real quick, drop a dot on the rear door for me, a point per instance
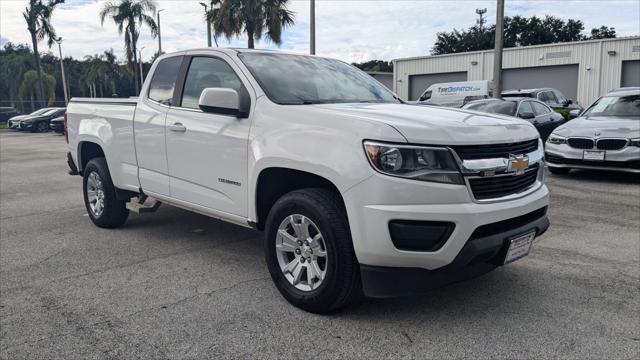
(207, 153)
(544, 119)
(149, 127)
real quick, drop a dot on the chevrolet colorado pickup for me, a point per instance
(357, 192)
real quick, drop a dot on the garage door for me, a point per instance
(630, 73)
(561, 77)
(419, 83)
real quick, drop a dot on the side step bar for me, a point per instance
(140, 205)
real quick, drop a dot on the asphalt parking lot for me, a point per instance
(180, 285)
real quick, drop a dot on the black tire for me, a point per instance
(559, 171)
(115, 212)
(341, 284)
(41, 127)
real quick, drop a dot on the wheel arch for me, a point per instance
(88, 150)
(274, 182)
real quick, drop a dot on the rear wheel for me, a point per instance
(104, 209)
(309, 251)
(559, 171)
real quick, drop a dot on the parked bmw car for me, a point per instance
(57, 124)
(534, 111)
(13, 122)
(606, 136)
(40, 123)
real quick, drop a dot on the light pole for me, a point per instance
(208, 24)
(141, 73)
(312, 30)
(159, 34)
(64, 80)
(497, 51)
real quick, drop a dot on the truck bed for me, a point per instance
(107, 122)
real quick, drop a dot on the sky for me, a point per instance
(350, 30)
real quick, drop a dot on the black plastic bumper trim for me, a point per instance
(476, 258)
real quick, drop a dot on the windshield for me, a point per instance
(301, 80)
(41, 111)
(50, 112)
(494, 107)
(622, 106)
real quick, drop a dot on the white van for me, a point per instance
(456, 94)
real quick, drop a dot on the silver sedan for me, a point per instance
(606, 136)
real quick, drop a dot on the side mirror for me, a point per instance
(526, 115)
(574, 113)
(568, 102)
(223, 101)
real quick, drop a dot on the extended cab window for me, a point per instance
(164, 80)
(207, 72)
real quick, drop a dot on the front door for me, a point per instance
(207, 153)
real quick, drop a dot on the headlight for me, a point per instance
(414, 162)
(634, 142)
(556, 139)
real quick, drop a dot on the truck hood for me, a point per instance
(601, 126)
(437, 125)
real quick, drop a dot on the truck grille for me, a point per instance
(473, 152)
(580, 143)
(503, 185)
(611, 144)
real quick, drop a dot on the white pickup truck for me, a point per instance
(357, 192)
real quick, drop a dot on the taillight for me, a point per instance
(66, 133)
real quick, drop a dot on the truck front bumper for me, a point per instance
(474, 246)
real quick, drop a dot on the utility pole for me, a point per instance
(140, 62)
(159, 34)
(481, 21)
(312, 30)
(208, 23)
(497, 51)
(64, 79)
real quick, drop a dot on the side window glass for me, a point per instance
(539, 109)
(426, 95)
(560, 98)
(525, 107)
(207, 72)
(164, 80)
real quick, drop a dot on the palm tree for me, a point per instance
(253, 17)
(30, 84)
(129, 16)
(38, 18)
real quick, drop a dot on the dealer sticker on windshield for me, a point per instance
(593, 155)
(519, 247)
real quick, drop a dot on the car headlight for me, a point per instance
(414, 162)
(634, 142)
(556, 139)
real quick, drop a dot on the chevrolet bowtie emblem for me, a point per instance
(518, 164)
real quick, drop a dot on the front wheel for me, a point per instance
(309, 251)
(104, 209)
(42, 127)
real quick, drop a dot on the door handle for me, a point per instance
(177, 127)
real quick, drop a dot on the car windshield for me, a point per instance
(50, 112)
(494, 107)
(622, 106)
(41, 111)
(301, 80)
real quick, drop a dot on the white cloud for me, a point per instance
(349, 30)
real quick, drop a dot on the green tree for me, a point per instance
(518, 31)
(375, 66)
(38, 18)
(129, 16)
(603, 32)
(256, 18)
(30, 84)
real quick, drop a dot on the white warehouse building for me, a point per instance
(582, 70)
